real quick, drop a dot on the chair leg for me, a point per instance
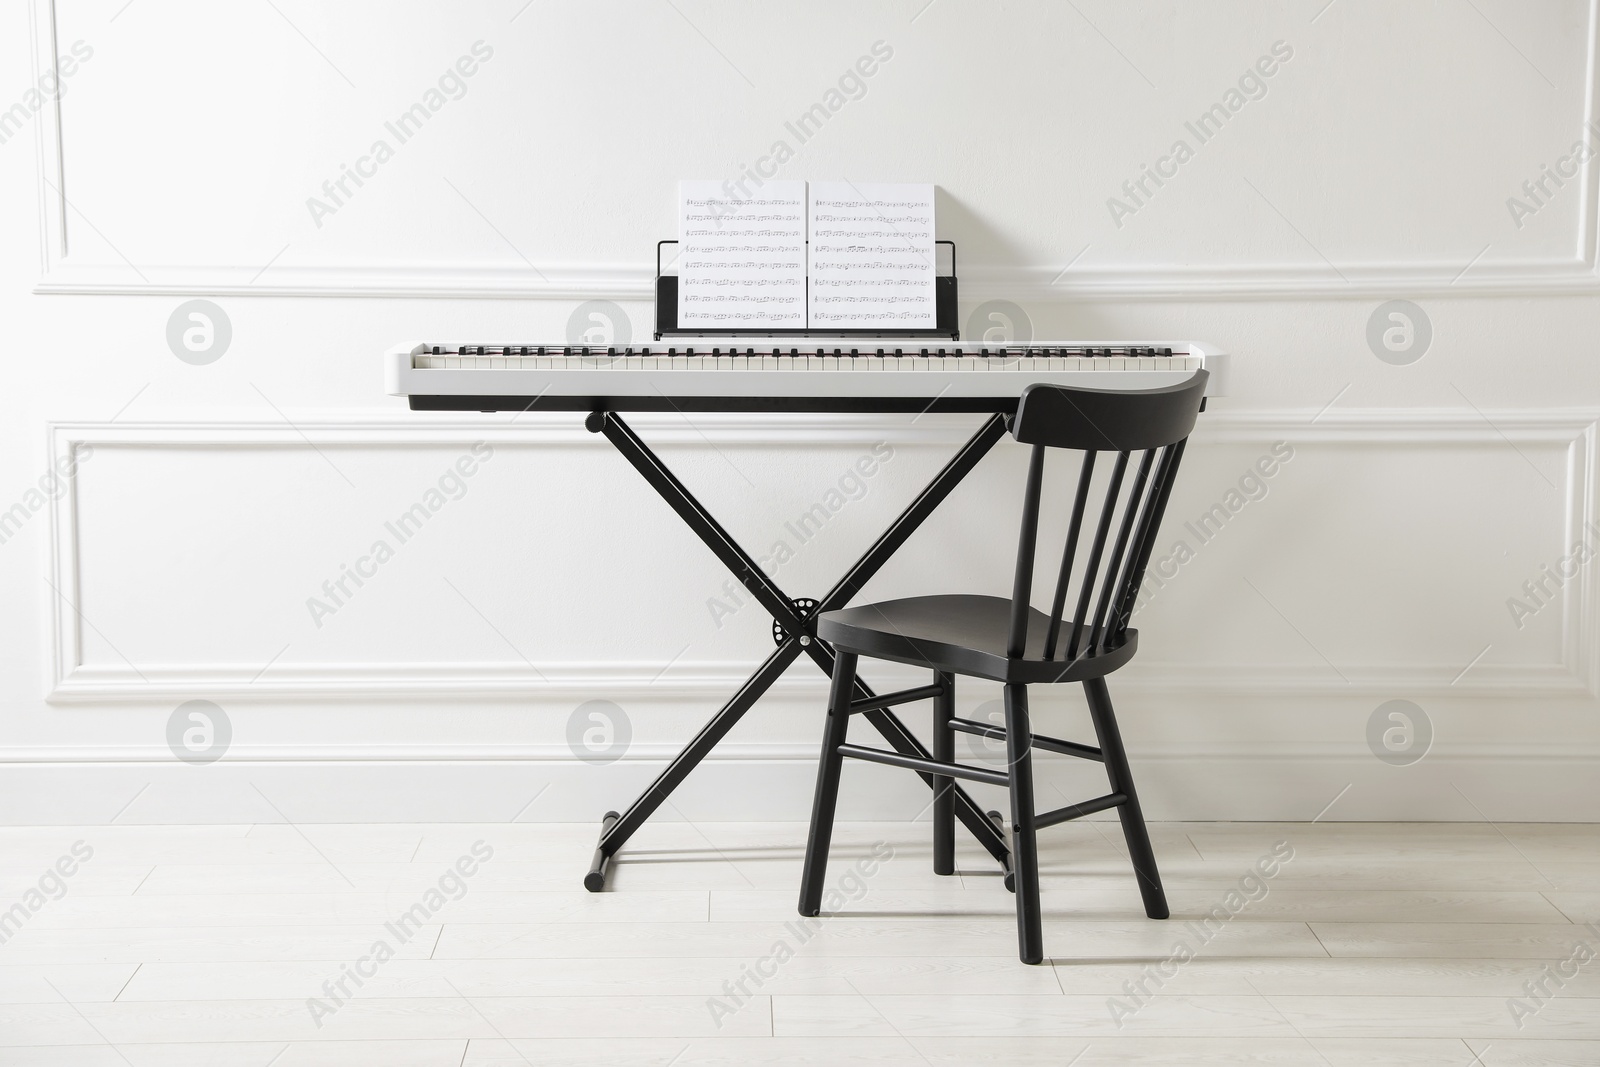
(1133, 828)
(944, 801)
(1024, 845)
(827, 795)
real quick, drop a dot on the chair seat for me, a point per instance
(964, 634)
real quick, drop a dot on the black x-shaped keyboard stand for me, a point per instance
(795, 624)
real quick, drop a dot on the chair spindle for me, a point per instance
(1095, 552)
(1085, 474)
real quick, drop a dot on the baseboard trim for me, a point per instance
(1440, 788)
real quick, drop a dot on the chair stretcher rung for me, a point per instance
(916, 763)
(889, 700)
(1078, 811)
(1049, 744)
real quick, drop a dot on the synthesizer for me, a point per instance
(817, 374)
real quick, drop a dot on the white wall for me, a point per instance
(215, 499)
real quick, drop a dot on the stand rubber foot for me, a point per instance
(1000, 824)
(595, 880)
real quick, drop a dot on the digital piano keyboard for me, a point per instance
(818, 374)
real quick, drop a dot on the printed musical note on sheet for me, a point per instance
(742, 259)
(872, 256)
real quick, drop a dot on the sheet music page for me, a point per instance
(872, 256)
(742, 260)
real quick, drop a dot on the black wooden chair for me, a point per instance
(1011, 642)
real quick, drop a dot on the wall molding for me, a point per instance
(1040, 285)
(72, 681)
(1313, 278)
(659, 682)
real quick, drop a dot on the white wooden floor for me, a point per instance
(1375, 944)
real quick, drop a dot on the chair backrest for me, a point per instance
(1152, 422)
